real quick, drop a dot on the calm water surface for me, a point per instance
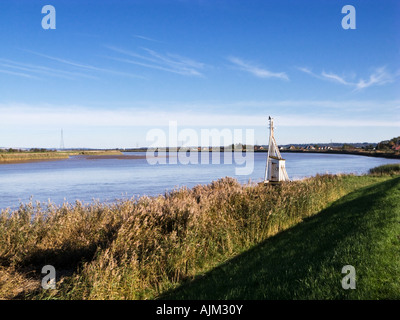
(111, 179)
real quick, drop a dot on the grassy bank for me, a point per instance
(143, 248)
(16, 157)
(361, 229)
(31, 156)
(386, 169)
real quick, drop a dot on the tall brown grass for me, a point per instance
(140, 248)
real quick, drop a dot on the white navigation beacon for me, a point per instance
(275, 170)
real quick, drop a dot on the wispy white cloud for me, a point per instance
(18, 74)
(256, 70)
(165, 62)
(158, 115)
(84, 67)
(320, 105)
(380, 76)
(35, 71)
(176, 60)
(335, 77)
(146, 38)
(39, 125)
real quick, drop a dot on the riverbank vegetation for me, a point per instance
(305, 262)
(384, 149)
(146, 247)
(31, 156)
(15, 156)
(389, 154)
(386, 169)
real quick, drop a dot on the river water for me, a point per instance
(79, 178)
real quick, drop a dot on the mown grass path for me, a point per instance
(361, 229)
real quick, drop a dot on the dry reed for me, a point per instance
(140, 248)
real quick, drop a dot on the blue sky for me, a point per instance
(113, 70)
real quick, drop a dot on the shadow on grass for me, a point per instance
(303, 262)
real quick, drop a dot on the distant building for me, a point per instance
(325, 148)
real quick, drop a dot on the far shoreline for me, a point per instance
(14, 158)
(356, 153)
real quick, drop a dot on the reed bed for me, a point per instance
(139, 249)
(386, 169)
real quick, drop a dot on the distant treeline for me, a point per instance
(392, 144)
(385, 145)
(358, 152)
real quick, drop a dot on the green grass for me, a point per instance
(361, 229)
